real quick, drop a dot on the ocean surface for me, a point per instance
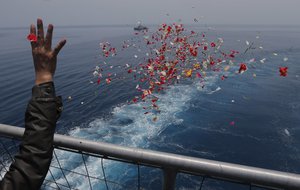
(251, 119)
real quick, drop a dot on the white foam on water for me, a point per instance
(128, 126)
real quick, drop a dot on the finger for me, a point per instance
(33, 31)
(48, 41)
(59, 46)
(40, 31)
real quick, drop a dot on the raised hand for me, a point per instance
(44, 57)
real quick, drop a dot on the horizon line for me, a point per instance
(132, 25)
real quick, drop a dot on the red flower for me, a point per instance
(205, 48)
(213, 44)
(243, 68)
(154, 100)
(32, 38)
(198, 75)
(232, 55)
(154, 105)
(193, 51)
(223, 77)
(283, 71)
(161, 57)
(135, 100)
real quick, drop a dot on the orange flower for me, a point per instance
(188, 73)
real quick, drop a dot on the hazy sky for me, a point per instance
(19, 13)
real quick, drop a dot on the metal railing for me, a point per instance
(171, 164)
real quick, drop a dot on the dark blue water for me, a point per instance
(194, 121)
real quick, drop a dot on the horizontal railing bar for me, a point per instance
(143, 164)
(216, 169)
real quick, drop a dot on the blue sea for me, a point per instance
(251, 119)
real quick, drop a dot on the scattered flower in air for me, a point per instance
(283, 71)
(188, 73)
(135, 100)
(223, 77)
(32, 37)
(226, 68)
(108, 81)
(252, 60)
(198, 75)
(173, 54)
(263, 60)
(243, 68)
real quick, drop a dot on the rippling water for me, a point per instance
(194, 121)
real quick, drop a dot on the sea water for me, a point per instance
(251, 119)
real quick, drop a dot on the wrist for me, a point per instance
(43, 79)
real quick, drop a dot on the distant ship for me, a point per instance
(140, 28)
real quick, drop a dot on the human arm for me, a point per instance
(30, 165)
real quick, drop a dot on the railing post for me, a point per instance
(169, 179)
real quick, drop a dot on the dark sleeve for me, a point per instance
(30, 165)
